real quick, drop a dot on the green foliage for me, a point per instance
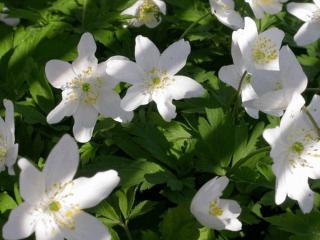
(161, 165)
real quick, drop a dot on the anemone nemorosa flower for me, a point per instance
(259, 7)
(53, 201)
(214, 212)
(146, 12)
(86, 91)
(153, 77)
(295, 152)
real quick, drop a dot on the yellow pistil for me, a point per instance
(297, 147)
(264, 51)
(54, 206)
(85, 87)
(214, 210)
(148, 10)
(156, 81)
(3, 152)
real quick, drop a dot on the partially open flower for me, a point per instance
(8, 149)
(214, 212)
(146, 12)
(225, 13)
(54, 201)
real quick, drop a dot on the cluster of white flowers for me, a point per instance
(266, 74)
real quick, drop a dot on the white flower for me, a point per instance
(146, 12)
(260, 51)
(310, 14)
(8, 20)
(225, 13)
(53, 200)
(153, 77)
(212, 211)
(8, 149)
(232, 75)
(295, 152)
(86, 91)
(276, 88)
(259, 7)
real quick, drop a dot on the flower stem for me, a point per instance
(313, 89)
(237, 95)
(193, 25)
(84, 10)
(127, 230)
(312, 120)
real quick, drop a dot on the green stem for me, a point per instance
(127, 230)
(312, 120)
(193, 25)
(237, 95)
(313, 89)
(245, 159)
(84, 10)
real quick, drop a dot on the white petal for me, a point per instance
(146, 53)
(184, 87)
(291, 71)
(62, 162)
(234, 225)
(257, 10)
(212, 189)
(11, 158)
(11, 21)
(230, 75)
(87, 227)
(86, 53)
(66, 107)
(293, 109)
(314, 108)
(164, 105)
(153, 22)
(271, 135)
(135, 97)
(108, 105)
(125, 71)
(276, 36)
(47, 231)
(59, 73)
(173, 59)
(272, 8)
(230, 18)
(32, 182)
(21, 223)
(317, 2)
(246, 38)
(133, 10)
(85, 119)
(88, 192)
(308, 33)
(9, 120)
(236, 53)
(302, 11)
(162, 6)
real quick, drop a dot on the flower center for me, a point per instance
(266, 2)
(3, 150)
(316, 16)
(214, 209)
(85, 87)
(264, 51)
(156, 81)
(297, 147)
(148, 10)
(54, 206)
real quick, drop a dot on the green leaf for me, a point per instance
(108, 213)
(142, 208)
(302, 225)
(178, 223)
(6, 202)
